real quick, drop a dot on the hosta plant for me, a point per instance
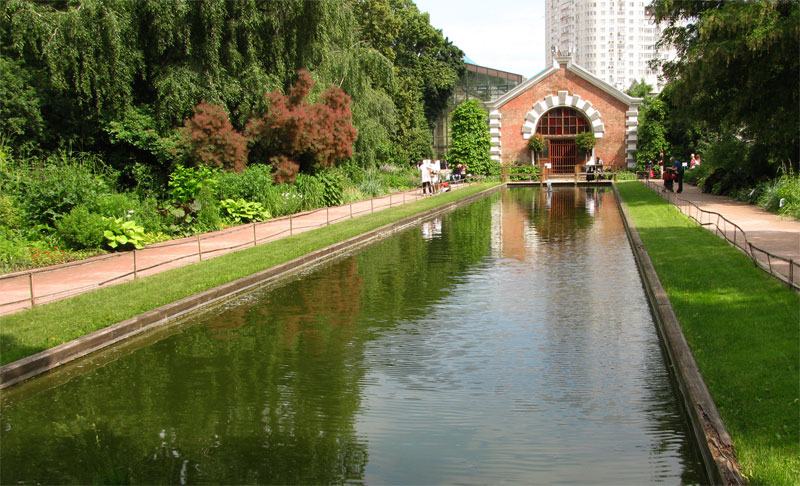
(241, 211)
(123, 234)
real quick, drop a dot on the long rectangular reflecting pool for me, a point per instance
(508, 341)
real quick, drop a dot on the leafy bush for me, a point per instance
(81, 228)
(10, 214)
(59, 186)
(127, 205)
(297, 131)
(536, 143)
(210, 139)
(123, 234)
(312, 189)
(208, 218)
(186, 182)
(470, 139)
(372, 184)
(781, 195)
(13, 250)
(626, 175)
(241, 211)
(332, 185)
(252, 184)
(523, 172)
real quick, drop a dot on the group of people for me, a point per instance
(594, 168)
(673, 170)
(433, 176)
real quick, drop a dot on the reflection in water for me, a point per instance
(487, 346)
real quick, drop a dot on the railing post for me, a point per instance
(372, 205)
(390, 199)
(351, 210)
(135, 275)
(255, 240)
(199, 250)
(30, 287)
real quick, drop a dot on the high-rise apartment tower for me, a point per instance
(613, 39)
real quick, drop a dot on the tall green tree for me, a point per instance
(470, 139)
(738, 71)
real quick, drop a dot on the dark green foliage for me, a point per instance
(252, 184)
(208, 218)
(738, 72)
(536, 143)
(54, 190)
(81, 229)
(470, 139)
(652, 131)
(585, 142)
(127, 205)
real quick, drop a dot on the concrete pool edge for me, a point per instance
(49, 359)
(707, 426)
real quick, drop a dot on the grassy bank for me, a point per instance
(34, 330)
(743, 328)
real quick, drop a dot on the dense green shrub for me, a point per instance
(252, 184)
(312, 189)
(81, 228)
(127, 205)
(185, 183)
(55, 189)
(470, 139)
(10, 214)
(208, 218)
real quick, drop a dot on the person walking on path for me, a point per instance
(678, 173)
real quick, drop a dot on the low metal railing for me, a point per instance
(782, 268)
(24, 295)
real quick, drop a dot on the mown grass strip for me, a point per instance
(28, 332)
(743, 328)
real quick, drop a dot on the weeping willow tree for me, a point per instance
(118, 77)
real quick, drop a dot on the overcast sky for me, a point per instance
(503, 34)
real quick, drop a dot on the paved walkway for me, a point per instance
(772, 233)
(22, 289)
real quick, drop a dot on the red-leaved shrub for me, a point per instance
(307, 133)
(285, 170)
(210, 139)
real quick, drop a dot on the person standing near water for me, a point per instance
(425, 173)
(678, 172)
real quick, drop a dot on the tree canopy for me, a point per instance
(737, 72)
(108, 77)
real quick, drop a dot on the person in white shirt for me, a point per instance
(425, 173)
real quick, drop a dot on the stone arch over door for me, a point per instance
(563, 100)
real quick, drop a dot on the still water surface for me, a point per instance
(506, 342)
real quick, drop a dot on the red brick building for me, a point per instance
(559, 103)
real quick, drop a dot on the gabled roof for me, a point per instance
(573, 68)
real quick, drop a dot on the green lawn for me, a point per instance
(30, 331)
(743, 328)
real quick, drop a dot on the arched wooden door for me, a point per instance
(563, 156)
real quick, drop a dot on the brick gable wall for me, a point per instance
(611, 148)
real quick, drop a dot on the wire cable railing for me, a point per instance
(26, 289)
(780, 267)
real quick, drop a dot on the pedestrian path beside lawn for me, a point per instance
(778, 235)
(21, 290)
